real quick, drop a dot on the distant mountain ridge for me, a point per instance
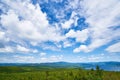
(109, 66)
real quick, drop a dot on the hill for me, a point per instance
(108, 66)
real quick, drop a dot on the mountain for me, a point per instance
(108, 66)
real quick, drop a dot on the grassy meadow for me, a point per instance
(47, 73)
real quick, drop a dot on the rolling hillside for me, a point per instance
(108, 66)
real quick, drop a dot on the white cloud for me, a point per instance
(43, 59)
(80, 36)
(24, 21)
(1, 35)
(56, 58)
(6, 49)
(57, 1)
(34, 51)
(81, 48)
(18, 59)
(67, 24)
(33, 43)
(42, 54)
(102, 17)
(22, 49)
(67, 44)
(52, 58)
(18, 49)
(114, 48)
(94, 58)
(74, 4)
(71, 33)
(21, 59)
(54, 47)
(31, 59)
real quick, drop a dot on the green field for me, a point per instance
(46, 73)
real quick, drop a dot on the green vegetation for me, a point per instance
(45, 73)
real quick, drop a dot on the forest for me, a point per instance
(46, 73)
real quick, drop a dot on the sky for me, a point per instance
(38, 31)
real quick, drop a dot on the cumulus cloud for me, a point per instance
(67, 24)
(18, 49)
(114, 48)
(22, 49)
(54, 47)
(42, 54)
(80, 36)
(26, 24)
(31, 26)
(102, 16)
(24, 21)
(6, 49)
(81, 48)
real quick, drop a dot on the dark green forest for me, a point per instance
(46, 73)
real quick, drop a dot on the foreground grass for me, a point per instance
(33, 73)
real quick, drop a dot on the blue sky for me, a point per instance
(36, 31)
